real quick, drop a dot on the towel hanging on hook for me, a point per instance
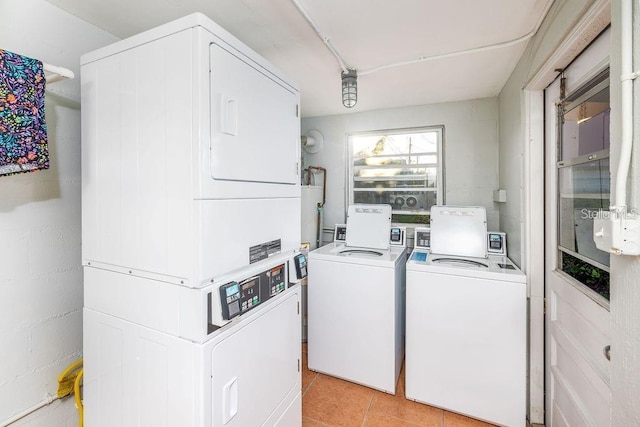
(23, 130)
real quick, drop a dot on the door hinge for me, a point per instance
(544, 306)
(297, 168)
(298, 365)
(298, 307)
(297, 110)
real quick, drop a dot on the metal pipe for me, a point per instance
(320, 206)
(46, 401)
(324, 180)
(627, 77)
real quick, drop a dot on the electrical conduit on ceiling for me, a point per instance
(324, 39)
(344, 67)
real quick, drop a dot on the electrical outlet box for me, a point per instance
(617, 233)
(500, 196)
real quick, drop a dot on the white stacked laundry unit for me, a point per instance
(191, 229)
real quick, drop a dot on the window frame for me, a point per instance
(574, 99)
(440, 167)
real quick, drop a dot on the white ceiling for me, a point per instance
(366, 34)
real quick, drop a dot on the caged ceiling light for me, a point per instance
(349, 88)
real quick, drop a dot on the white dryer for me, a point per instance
(166, 355)
(466, 333)
(356, 307)
(168, 180)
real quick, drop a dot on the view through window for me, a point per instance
(584, 182)
(402, 168)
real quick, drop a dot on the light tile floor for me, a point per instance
(328, 401)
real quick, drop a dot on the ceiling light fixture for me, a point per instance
(349, 76)
(349, 88)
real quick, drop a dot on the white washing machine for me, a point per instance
(466, 331)
(356, 306)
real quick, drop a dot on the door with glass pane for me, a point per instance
(576, 272)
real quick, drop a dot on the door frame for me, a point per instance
(592, 23)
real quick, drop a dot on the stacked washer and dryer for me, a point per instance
(191, 232)
(466, 320)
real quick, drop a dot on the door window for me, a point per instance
(584, 182)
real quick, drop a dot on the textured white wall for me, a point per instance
(560, 19)
(471, 150)
(40, 271)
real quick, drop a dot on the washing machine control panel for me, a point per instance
(422, 238)
(340, 233)
(300, 262)
(497, 243)
(397, 235)
(238, 297)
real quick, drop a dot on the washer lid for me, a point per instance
(368, 226)
(459, 231)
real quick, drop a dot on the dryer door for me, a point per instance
(255, 370)
(254, 122)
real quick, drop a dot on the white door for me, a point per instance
(577, 316)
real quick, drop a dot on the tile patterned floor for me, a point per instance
(328, 401)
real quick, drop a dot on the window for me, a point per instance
(584, 182)
(402, 168)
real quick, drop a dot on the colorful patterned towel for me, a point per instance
(23, 131)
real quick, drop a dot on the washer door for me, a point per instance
(459, 230)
